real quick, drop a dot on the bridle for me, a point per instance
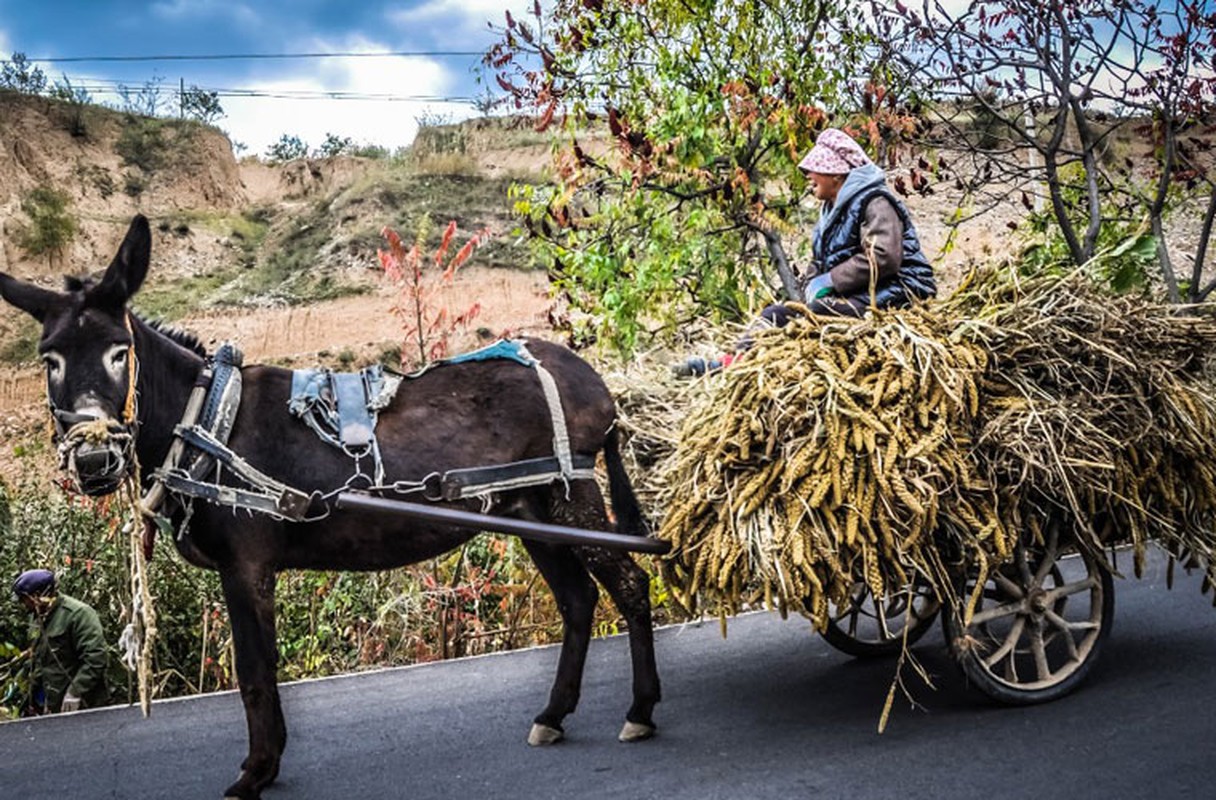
(98, 453)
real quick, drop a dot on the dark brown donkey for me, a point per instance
(454, 416)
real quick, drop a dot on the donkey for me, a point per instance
(105, 365)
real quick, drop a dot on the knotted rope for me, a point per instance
(139, 636)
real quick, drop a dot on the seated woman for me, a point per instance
(864, 235)
(861, 222)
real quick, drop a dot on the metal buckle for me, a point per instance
(432, 487)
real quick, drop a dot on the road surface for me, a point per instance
(770, 712)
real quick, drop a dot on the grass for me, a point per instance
(177, 297)
(21, 346)
(174, 297)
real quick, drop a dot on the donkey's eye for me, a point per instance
(54, 364)
(115, 360)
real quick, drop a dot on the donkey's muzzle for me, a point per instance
(97, 455)
(99, 469)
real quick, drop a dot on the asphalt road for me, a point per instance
(770, 712)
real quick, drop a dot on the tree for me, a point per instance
(422, 307)
(145, 101)
(51, 226)
(335, 145)
(21, 75)
(708, 106)
(287, 148)
(200, 104)
(1033, 93)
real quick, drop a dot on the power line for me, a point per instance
(104, 86)
(260, 56)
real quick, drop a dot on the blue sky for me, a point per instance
(432, 86)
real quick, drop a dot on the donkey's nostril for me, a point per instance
(98, 468)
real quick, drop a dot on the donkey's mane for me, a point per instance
(184, 338)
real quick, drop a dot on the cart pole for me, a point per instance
(524, 529)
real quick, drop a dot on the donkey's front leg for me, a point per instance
(249, 591)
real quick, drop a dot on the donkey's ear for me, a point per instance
(31, 299)
(127, 271)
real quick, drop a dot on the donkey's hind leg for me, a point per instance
(629, 586)
(576, 597)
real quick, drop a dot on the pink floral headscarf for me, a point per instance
(834, 153)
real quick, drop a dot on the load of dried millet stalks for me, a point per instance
(924, 440)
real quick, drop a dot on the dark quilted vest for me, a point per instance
(842, 240)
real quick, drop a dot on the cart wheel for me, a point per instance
(1039, 625)
(870, 627)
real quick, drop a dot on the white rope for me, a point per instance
(139, 636)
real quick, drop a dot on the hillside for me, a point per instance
(280, 258)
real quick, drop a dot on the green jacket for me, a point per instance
(70, 655)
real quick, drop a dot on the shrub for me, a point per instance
(287, 148)
(201, 105)
(142, 144)
(427, 321)
(335, 145)
(20, 75)
(144, 101)
(51, 227)
(483, 597)
(77, 99)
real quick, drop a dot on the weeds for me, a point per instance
(483, 597)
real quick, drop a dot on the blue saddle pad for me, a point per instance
(503, 348)
(341, 406)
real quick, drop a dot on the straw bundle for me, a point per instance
(925, 441)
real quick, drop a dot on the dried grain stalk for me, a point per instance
(924, 441)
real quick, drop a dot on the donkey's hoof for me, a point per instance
(543, 734)
(240, 791)
(636, 732)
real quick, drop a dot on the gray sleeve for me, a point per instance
(882, 235)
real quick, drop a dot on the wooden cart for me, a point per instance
(1035, 633)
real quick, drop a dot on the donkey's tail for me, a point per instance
(629, 519)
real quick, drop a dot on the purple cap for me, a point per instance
(34, 582)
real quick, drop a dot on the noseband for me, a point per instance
(98, 453)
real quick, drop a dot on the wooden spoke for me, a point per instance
(1010, 643)
(1015, 608)
(1039, 624)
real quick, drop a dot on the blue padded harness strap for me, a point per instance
(354, 419)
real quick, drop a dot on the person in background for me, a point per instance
(69, 658)
(865, 249)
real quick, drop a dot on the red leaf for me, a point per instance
(448, 233)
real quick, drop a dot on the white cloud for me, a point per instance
(478, 11)
(258, 122)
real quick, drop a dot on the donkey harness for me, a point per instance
(341, 408)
